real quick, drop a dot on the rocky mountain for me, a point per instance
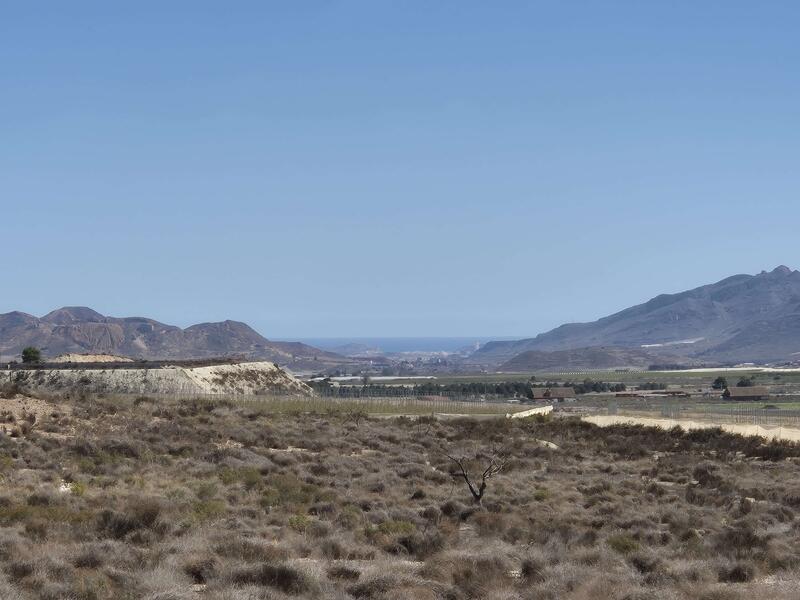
(601, 357)
(83, 330)
(739, 319)
(356, 349)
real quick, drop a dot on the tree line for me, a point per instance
(502, 389)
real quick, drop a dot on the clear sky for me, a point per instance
(385, 168)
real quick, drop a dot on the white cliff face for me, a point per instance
(242, 378)
(89, 358)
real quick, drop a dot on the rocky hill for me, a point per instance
(82, 330)
(741, 318)
(589, 358)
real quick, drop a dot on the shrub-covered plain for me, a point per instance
(103, 499)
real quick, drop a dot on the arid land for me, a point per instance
(109, 498)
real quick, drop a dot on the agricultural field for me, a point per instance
(687, 378)
(110, 498)
(681, 378)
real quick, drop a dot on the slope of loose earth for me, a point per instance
(72, 357)
(243, 378)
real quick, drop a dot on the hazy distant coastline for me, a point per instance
(403, 344)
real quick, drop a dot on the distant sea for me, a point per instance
(404, 344)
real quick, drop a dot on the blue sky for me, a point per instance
(387, 168)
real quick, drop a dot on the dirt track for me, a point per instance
(775, 433)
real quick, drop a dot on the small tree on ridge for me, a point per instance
(31, 354)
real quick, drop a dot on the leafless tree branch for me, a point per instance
(497, 461)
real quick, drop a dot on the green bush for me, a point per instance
(541, 495)
(288, 490)
(396, 527)
(208, 510)
(622, 543)
(299, 523)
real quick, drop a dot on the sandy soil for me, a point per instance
(770, 433)
(20, 405)
(89, 358)
(541, 410)
(246, 378)
(239, 379)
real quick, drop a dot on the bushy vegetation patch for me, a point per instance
(103, 499)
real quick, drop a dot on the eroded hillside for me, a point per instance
(240, 378)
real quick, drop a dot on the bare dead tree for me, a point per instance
(477, 471)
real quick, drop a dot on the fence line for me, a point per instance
(736, 414)
(285, 403)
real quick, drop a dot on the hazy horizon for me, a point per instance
(370, 169)
(331, 340)
(402, 343)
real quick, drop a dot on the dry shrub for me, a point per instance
(397, 587)
(343, 573)
(533, 568)
(201, 568)
(431, 514)
(250, 550)
(622, 543)
(43, 499)
(475, 574)
(89, 557)
(36, 529)
(452, 508)
(9, 391)
(141, 513)
(20, 569)
(738, 572)
(740, 540)
(421, 545)
(489, 524)
(279, 576)
(721, 592)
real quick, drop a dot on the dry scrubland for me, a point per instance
(103, 499)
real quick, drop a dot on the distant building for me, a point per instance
(755, 393)
(559, 394)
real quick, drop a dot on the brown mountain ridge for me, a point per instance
(743, 318)
(78, 329)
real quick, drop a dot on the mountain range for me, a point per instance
(596, 357)
(744, 318)
(77, 329)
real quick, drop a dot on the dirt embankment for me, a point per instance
(241, 378)
(90, 358)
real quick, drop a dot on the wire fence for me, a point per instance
(282, 403)
(403, 391)
(776, 413)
